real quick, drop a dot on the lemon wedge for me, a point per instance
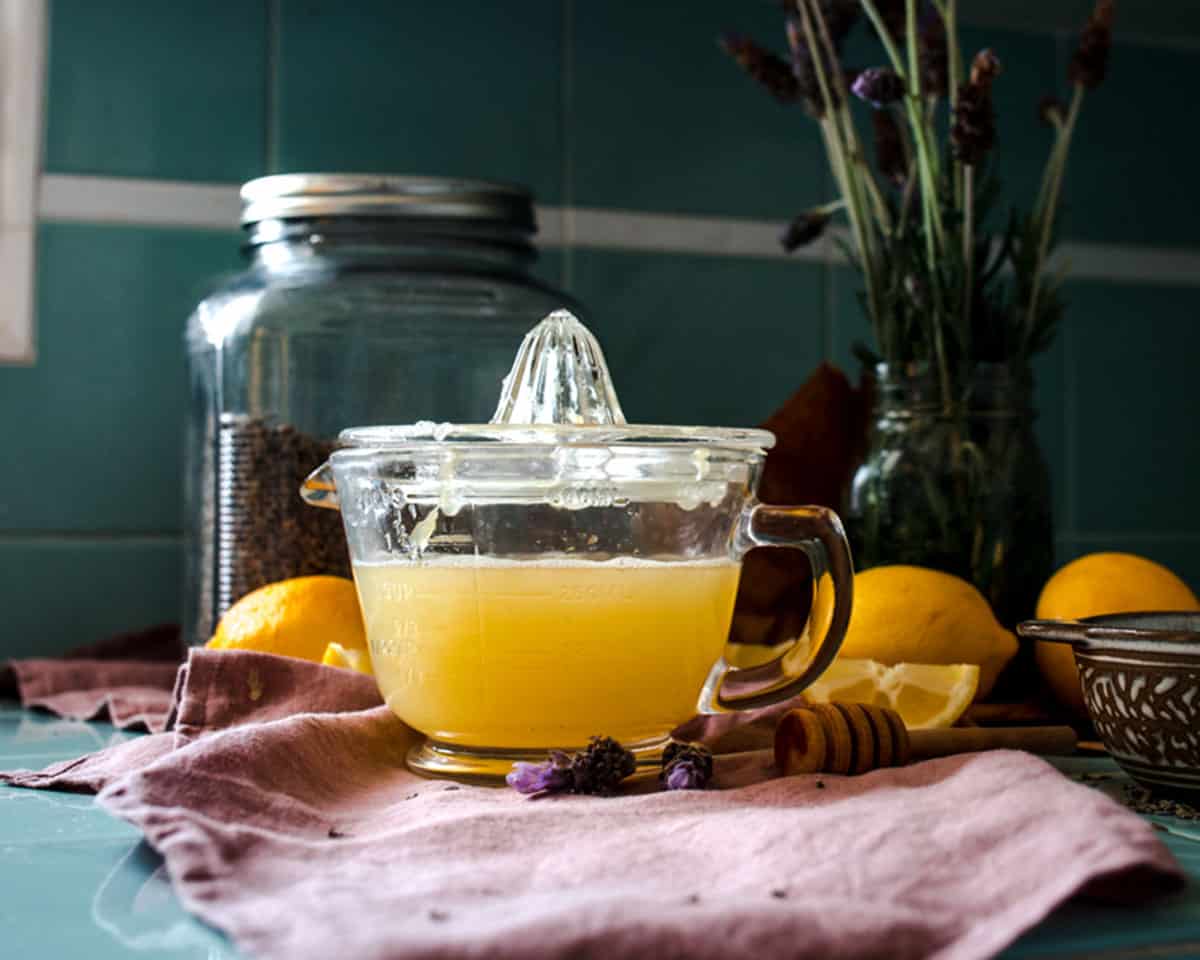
(347, 659)
(905, 614)
(924, 694)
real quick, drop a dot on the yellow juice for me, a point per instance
(481, 652)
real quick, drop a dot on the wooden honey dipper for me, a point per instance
(852, 738)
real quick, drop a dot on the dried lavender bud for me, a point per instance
(889, 148)
(879, 86)
(1090, 61)
(770, 70)
(601, 767)
(686, 766)
(984, 69)
(808, 87)
(597, 769)
(536, 779)
(1051, 111)
(974, 131)
(935, 58)
(804, 230)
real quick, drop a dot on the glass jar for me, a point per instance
(366, 300)
(1013, 554)
(965, 490)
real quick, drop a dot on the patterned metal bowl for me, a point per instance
(1141, 682)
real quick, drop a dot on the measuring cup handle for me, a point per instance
(319, 490)
(818, 532)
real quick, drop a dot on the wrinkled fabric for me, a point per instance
(214, 690)
(126, 679)
(286, 817)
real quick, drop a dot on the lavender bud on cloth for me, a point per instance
(686, 766)
(596, 770)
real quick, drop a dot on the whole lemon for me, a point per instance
(1096, 584)
(295, 618)
(906, 614)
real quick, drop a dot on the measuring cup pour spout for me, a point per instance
(319, 488)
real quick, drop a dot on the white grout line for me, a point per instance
(682, 233)
(215, 206)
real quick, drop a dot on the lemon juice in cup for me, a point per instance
(559, 574)
(484, 650)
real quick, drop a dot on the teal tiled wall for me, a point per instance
(171, 90)
(611, 105)
(696, 339)
(659, 119)
(460, 89)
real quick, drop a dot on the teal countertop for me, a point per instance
(75, 881)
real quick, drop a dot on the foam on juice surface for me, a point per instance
(479, 651)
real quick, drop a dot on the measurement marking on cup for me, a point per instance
(401, 592)
(400, 641)
(404, 629)
(393, 647)
(594, 593)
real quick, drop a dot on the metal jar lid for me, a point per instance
(306, 195)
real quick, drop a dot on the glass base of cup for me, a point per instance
(489, 767)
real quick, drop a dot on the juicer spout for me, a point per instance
(559, 377)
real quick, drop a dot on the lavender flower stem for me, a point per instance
(927, 167)
(934, 240)
(877, 204)
(906, 197)
(885, 37)
(1057, 161)
(1048, 212)
(848, 175)
(914, 52)
(850, 133)
(949, 14)
(968, 240)
(1051, 162)
(926, 162)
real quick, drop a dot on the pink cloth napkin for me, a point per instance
(128, 679)
(285, 815)
(214, 690)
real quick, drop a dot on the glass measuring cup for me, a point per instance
(526, 586)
